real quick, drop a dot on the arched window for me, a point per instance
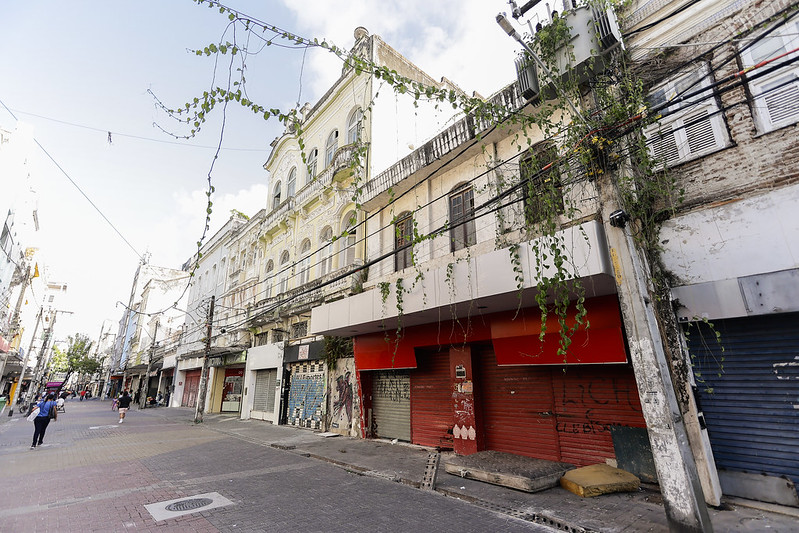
(291, 183)
(403, 236)
(354, 126)
(313, 157)
(326, 251)
(270, 267)
(331, 147)
(283, 273)
(347, 246)
(276, 195)
(461, 218)
(304, 265)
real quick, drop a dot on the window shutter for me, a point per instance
(779, 103)
(663, 145)
(699, 130)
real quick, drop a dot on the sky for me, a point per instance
(84, 75)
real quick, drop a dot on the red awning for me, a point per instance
(516, 341)
(376, 352)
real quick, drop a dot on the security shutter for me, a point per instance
(391, 404)
(264, 399)
(517, 408)
(749, 392)
(432, 406)
(306, 395)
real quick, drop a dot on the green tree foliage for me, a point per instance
(76, 358)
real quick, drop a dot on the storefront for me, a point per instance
(748, 389)
(191, 387)
(262, 382)
(305, 402)
(499, 388)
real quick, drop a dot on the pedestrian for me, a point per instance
(47, 409)
(124, 405)
(82, 395)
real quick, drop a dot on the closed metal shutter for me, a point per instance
(264, 398)
(588, 403)
(190, 389)
(306, 395)
(749, 393)
(517, 408)
(391, 404)
(432, 406)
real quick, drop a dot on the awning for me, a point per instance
(517, 340)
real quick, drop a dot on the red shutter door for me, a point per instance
(192, 385)
(517, 410)
(432, 405)
(588, 401)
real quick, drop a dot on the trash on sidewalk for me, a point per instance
(508, 470)
(598, 479)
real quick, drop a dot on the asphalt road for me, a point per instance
(93, 474)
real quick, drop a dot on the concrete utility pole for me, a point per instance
(17, 390)
(143, 399)
(15, 317)
(198, 413)
(676, 468)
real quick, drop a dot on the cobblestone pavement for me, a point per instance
(95, 475)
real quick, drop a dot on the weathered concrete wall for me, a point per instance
(344, 406)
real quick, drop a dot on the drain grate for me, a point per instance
(189, 505)
(536, 518)
(431, 471)
(183, 506)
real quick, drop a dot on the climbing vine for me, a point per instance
(539, 196)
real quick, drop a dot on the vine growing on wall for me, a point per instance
(545, 190)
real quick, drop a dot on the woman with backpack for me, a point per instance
(47, 411)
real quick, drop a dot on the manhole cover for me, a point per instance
(189, 505)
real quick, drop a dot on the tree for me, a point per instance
(76, 358)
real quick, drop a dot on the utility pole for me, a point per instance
(15, 317)
(674, 462)
(17, 390)
(198, 412)
(143, 399)
(44, 358)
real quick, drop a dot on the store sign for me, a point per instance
(216, 360)
(304, 352)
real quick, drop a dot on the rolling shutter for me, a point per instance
(432, 406)
(517, 408)
(588, 404)
(391, 404)
(749, 393)
(264, 399)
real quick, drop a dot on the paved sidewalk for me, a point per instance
(641, 511)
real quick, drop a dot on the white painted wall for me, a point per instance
(259, 358)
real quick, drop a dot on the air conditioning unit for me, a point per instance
(527, 76)
(608, 31)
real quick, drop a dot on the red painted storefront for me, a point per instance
(489, 383)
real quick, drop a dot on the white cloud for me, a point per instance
(456, 39)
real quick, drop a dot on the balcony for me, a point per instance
(438, 150)
(337, 170)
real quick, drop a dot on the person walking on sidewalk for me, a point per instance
(47, 407)
(124, 405)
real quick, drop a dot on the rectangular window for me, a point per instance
(403, 235)
(461, 215)
(775, 95)
(541, 186)
(688, 128)
(299, 330)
